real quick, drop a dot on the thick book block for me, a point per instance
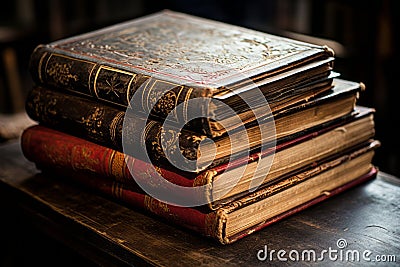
(49, 148)
(105, 125)
(168, 58)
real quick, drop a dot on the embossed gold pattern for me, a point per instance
(61, 73)
(164, 44)
(190, 56)
(117, 166)
(94, 121)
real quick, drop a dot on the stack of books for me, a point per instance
(217, 128)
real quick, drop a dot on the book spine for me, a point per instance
(104, 125)
(49, 148)
(116, 86)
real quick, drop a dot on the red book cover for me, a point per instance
(212, 224)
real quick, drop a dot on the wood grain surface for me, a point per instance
(109, 233)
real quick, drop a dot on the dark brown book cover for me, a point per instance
(105, 125)
(173, 57)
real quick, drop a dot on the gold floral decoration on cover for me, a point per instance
(184, 48)
(61, 73)
(94, 121)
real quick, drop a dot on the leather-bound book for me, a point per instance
(167, 58)
(253, 212)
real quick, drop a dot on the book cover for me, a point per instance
(106, 125)
(50, 148)
(172, 57)
(253, 212)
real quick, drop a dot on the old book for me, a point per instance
(254, 211)
(105, 125)
(49, 148)
(168, 58)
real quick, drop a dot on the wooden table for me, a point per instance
(66, 224)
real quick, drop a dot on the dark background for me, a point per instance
(364, 34)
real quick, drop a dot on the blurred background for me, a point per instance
(365, 36)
